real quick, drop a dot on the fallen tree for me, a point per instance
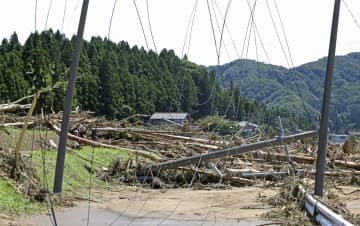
(311, 160)
(13, 107)
(85, 141)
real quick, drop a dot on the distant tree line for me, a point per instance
(117, 80)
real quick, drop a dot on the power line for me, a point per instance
(48, 13)
(141, 24)
(63, 19)
(219, 29)
(250, 34)
(213, 31)
(190, 23)
(256, 47)
(251, 19)
(74, 10)
(35, 15)
(189, 27)
(111, 18)
(258, 34)
(252, 9)
(217, 54)
(222, 29)
(293, 72)
(149, 171)
(49, 204)
(277, 33)
(90, 181)
(150, 27)
(351, 14)
(213, 90)
(227, 29)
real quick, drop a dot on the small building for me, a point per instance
(170, 117)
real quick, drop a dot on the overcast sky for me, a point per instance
(307, 25)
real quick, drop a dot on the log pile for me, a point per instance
(156, 144)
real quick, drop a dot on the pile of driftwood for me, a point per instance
(165, 143)
(170, 142)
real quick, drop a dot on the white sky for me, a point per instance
(307, 24)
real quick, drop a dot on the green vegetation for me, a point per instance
(76, 177)
(76, 174)
(15, 203)
(114, 79)
(31, 139)
(77, 170)
(117, 80)
(218, 123)
(275, 86)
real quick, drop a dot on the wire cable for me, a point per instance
(213, 31)
(190, 23)
(258, 34)
(218, 50)
(219, 28)
(150, 27)
(48, 13)
(74, 11)
(90, 182)
(227, 29)
(49, 204)
(135, 196)
(294, 74)
(63, 19)
(141, 24)
(189, 27)
(222, 29)
(111, 18)
(35, 15)
(252, 9)
(351, 14)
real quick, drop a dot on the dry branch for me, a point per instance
(13, 107)
(310, 160)
(236, 180)
(15, 124)
(85, 141)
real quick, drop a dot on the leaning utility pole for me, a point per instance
(59, 172)
(324, 123)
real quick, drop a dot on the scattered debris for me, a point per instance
(154, 145)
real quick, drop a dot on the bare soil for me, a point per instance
(175, 205)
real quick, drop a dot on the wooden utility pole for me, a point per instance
(231, 151)
(324, 122)
(59, 172)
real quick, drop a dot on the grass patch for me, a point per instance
(31, 139)
(76, 175)
(12, 202)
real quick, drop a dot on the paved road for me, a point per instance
(77, 216)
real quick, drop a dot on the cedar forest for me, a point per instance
(116, 80)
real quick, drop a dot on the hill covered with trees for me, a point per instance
(117, 80)
(279, 86)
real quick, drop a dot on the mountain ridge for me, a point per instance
(277, 86)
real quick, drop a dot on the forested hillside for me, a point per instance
(276, 86)
(117, 80)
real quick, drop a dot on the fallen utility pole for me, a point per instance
(231, 151)
(59, 172)
(324, 122)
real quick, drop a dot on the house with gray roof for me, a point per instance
(170, 117)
